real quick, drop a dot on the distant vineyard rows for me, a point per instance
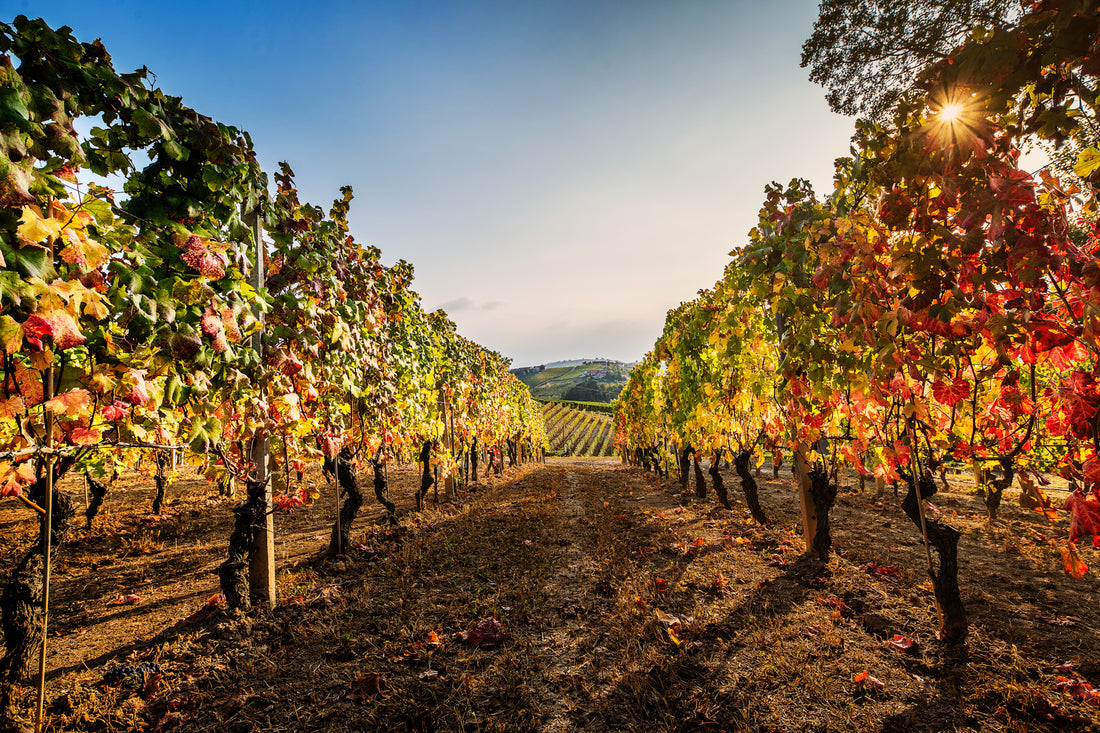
(573, 432)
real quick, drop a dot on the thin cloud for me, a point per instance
(459, 305)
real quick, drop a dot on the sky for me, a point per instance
(559, 173)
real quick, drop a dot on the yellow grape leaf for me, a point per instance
(11, 334)
(74, 403)
(82, 251)
(33, 227)
(102, 382)
(77, 295)
(1088, 160)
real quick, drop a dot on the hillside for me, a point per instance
(574, 432)
(592, 380)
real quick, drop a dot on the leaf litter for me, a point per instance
(601, 635)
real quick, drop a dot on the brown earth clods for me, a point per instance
(575, 595)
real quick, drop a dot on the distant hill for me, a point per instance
(583, 380)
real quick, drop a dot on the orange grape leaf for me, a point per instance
(868, 683)
(12, 406)
(73, 403)
(66, 332)
(14, 478)
(1073, 564)
(83, 436)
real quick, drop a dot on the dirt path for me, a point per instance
(578, 595)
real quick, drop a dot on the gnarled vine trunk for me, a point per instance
(381, 490)
(824, 493)
(473, 458)
(426, 477)
(99, 492)
(21, 599)
(716, 479)
(347, 483)
(685, 467)
(248, 519)
(657, 467)
(748, 485)
(995, 487)
(700, 480)
(160, 479)
(945, 580)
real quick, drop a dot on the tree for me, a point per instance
(867, 53)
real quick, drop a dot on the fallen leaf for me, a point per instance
(126, 600)
(880, 571)
(842, 608)
(867, 683)
(366, 688)
(668, 619)
(902, 644)
(327, 596)
(486, 634)
(1079, 690)
(1073, 564)
(207, 612)
(230, 704)
(1055, 620)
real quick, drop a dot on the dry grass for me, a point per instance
(580, 561)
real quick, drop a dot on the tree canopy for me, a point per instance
(867, 53)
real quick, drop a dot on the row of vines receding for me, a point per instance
(205, 309)
(939, 306)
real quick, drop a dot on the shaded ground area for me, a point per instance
(590, 598)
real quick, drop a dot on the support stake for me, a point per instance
(48, 540)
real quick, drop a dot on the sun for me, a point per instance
(950, 112)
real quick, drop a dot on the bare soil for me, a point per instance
(599, 598)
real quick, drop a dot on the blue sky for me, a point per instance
(559, 173)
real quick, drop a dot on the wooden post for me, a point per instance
(449, 433)
(261, 570)
(40, 720)
(805, 498)
(336, 490)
